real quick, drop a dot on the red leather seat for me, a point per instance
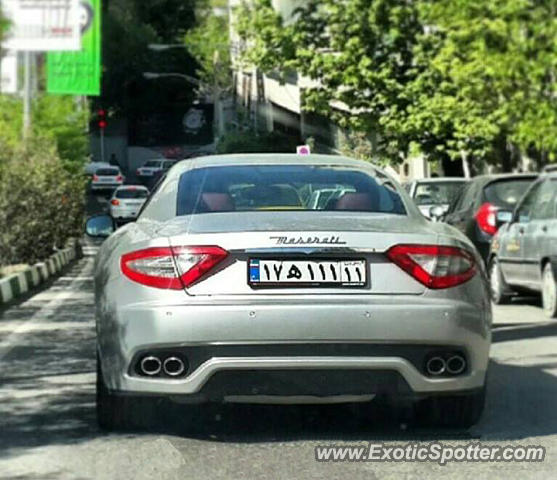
(361, 202)
(217, 202)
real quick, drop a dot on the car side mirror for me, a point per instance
(100, 226)
(436, 212)
(503, 216)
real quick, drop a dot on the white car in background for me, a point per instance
(91, 167)
(152, 167)
(107, 178)
(126, 202)
(435, 193)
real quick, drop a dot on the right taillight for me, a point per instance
(486, 218)
(435, 266)
(171, 268)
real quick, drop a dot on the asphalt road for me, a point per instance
(48, 428)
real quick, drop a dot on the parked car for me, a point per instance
(212, 297)
(524, 251)
(437, 192)
(107, 178)
(154, 167)
(126, 202)
(550, 168)
(474, 212)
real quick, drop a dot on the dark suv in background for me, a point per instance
(474, 212)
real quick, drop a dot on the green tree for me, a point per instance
(467, 79)
(56, 120)
(129, 27)
(209, 44)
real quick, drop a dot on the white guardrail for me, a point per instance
(20, 283)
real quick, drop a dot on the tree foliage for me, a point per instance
(41, 202)
(454, 77)
(56, 120)
(209, 44)
(129, 27)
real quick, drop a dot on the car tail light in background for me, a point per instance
(119, 178)
(115, 202)
(486, 218)
(434, 266)
(171, 268)
(95, 178)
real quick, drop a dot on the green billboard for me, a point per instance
(79, 73)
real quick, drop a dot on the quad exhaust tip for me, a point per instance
(173, 366)
(436, 366)
(151, 366)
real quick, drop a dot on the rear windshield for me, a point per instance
(132, 193)
(109, 172)
(280, 188)
(152, 163)
(506, 193)
(437, 193)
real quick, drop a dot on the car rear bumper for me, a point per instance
(105, 186)
(249, 345)
(124, 212)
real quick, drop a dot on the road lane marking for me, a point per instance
(45, 312)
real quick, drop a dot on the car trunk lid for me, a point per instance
(306, 237)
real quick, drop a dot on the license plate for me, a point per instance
(310, 273)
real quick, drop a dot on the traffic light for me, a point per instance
(101, 118)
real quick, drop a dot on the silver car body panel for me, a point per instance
(394, 309)
(524, 245)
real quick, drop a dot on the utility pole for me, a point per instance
(217, 114)
(26, 94)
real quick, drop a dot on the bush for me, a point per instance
(41, 203)
(252, 142)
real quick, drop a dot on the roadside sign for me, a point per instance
(303, 150)
(79, 73)
(43, 25)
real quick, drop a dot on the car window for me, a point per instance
(526, 207)
(466, 198)
(437, 193)
(506, 193)
(152, 163)
(108, 172)
(132, 193)
(279, 188)
(543, 208)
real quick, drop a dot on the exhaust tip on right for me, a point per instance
(456, 364)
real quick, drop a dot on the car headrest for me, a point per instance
(356, 201)
(218, 202)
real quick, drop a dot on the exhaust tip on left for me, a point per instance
(150, 366)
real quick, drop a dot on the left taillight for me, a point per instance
(435, 266)
(95, 178)
(172, 268)
(486, 218)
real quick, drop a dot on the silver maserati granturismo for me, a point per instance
(276, 278)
